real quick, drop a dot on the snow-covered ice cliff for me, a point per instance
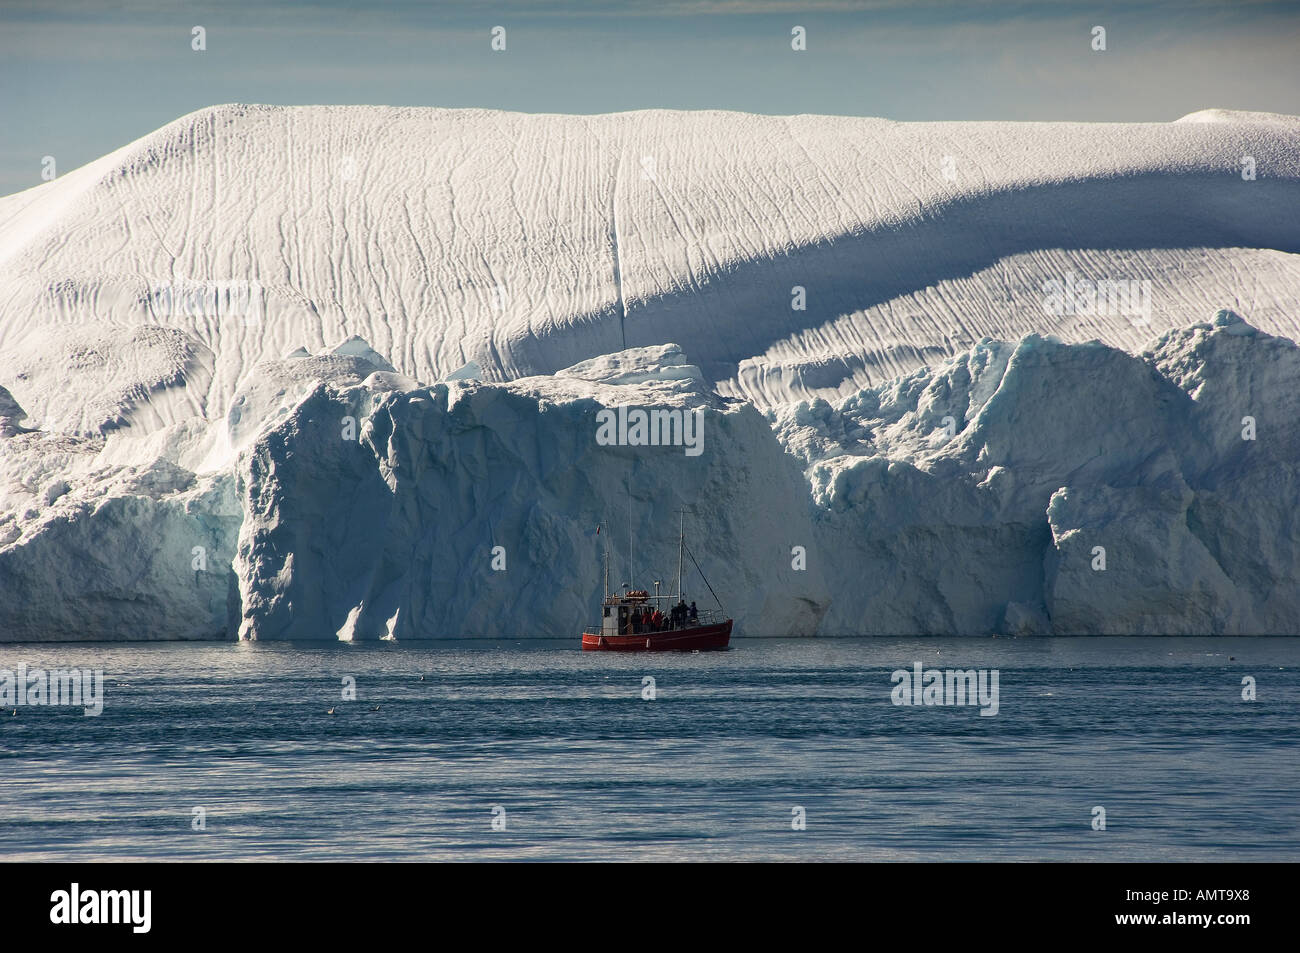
(1027, 488)
(1033, 487)
(1042, 487)
(296, 372)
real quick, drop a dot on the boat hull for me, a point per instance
(701, 638)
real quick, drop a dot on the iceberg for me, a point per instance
(245, 395)
(1033, 487)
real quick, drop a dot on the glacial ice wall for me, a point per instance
(1033, 487)
(468, 509)
(1042, 487)
(900, 436)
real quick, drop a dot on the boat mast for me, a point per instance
(607, 563)
(681, 544)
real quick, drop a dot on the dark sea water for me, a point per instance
(1153, 730)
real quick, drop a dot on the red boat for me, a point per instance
(635, 621)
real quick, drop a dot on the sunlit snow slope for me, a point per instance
(526, 243)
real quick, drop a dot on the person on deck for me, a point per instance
(695, 615)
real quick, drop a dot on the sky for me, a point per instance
(80, 78)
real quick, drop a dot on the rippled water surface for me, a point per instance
(1153, 730)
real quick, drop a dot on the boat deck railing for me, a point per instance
(704, 617)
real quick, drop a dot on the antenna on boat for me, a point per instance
(605, 524)
(681, 545)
